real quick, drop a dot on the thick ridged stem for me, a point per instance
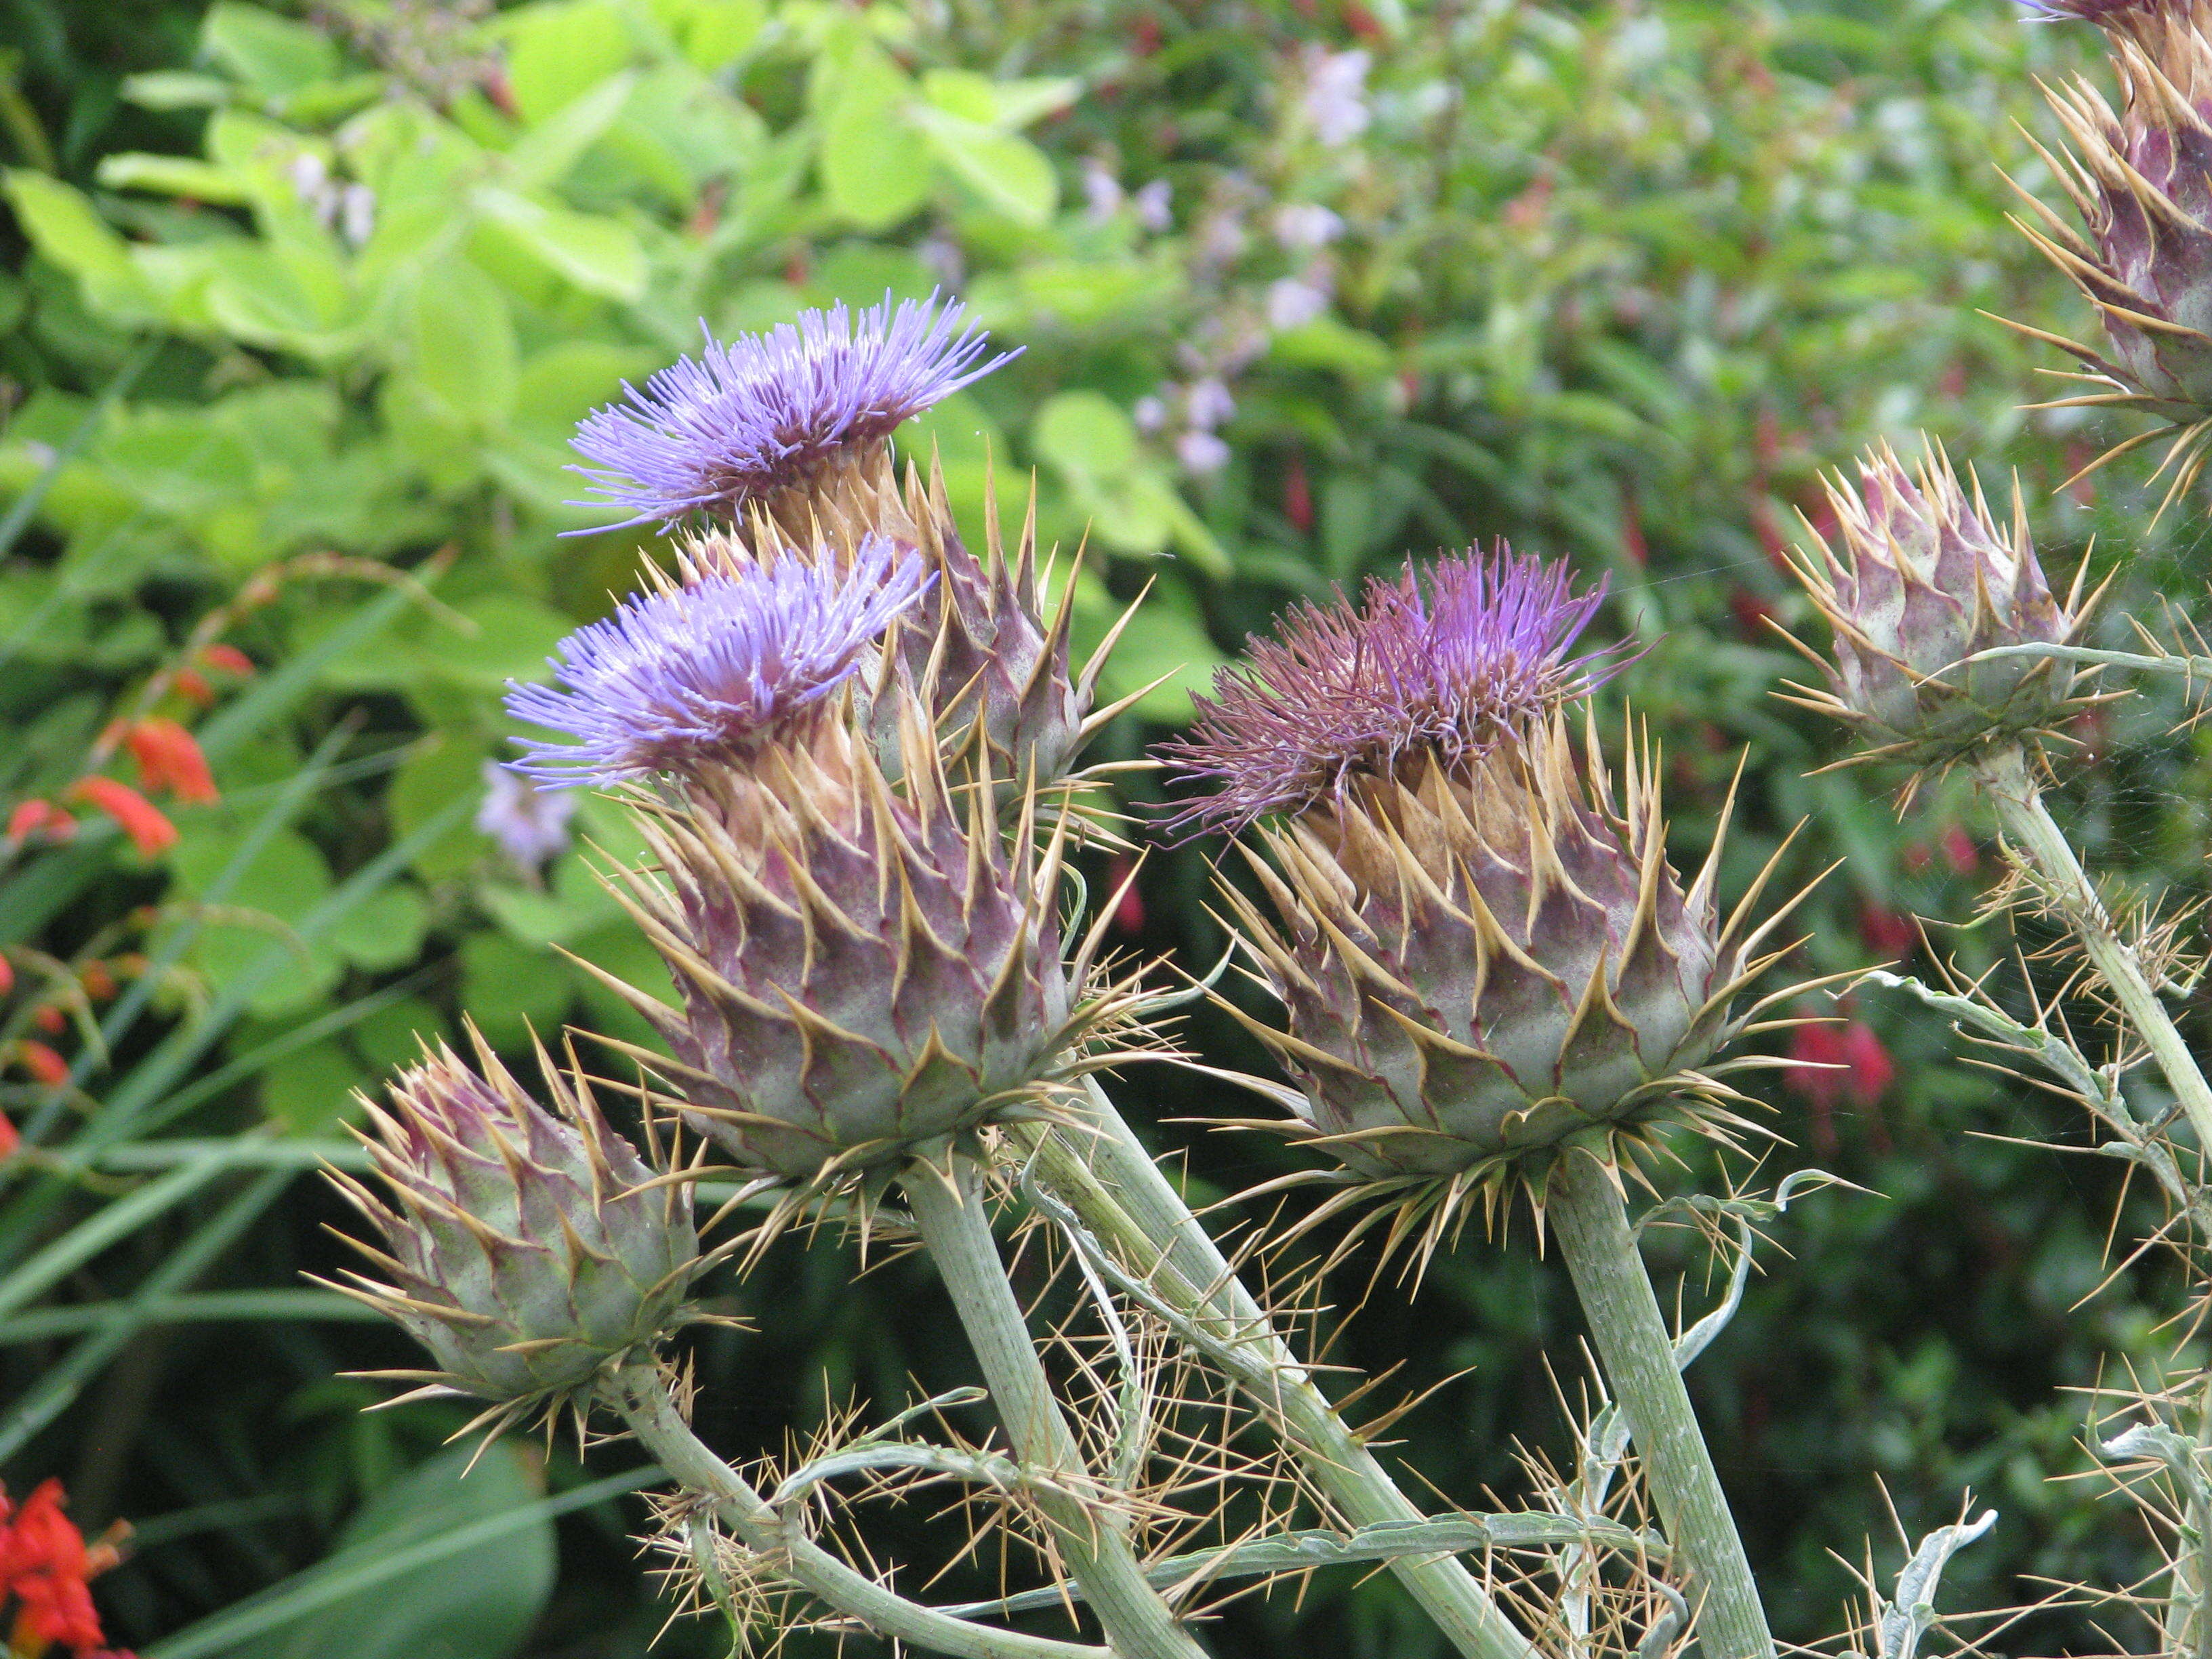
(1106, 1176)
(641, 1395)
(948, 1210)
(1583, 1208)
(2028, 824)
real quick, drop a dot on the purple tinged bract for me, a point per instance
(766, 411)
(1440, 665)
(706, 674)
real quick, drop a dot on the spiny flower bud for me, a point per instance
(1927, 578)
(770, 420)
(864, 966)
(527, 1250)
(1477, 962)
(2143, 182)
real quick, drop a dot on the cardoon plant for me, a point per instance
(1490, 972)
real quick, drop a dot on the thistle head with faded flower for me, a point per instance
(1925, 578)
(1478, 953)
(864, 964)
(528, 1250)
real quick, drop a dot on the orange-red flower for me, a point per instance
(141, 819)
(227, 659)
(41, 1062)
(44, 1566)
(169, 758)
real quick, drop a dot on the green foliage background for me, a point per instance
(298, 314)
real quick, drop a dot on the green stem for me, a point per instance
(1105, 1173)
(2011, 786)
(1583, 1208)
(948, 1211)
(641, 1395)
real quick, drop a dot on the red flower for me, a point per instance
(45, 1564)
(41, 1062)
(1872, 1070)
(30, 816)
(141, 821)
(193, 686)
(169, 758)
(227, 659)
(1128, 903)
(9, 1139)
(1297, 495)
(1960, 851)
(7, 975)
(1886, 933)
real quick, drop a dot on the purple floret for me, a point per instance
(742, 419)
(708, 674)
(530, 823)
(1440, 665)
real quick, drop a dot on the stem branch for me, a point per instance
(2028, 823)
(641, 1394)
(1105, 1173)
(1584, 1210)
(948, 1209)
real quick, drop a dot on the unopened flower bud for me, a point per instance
(527, 1250)
(1926, 578)
(2141, 180)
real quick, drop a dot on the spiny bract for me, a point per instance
(1928, 578)
(1474, 967)
(863, 966)
(526, 1251)
(2142, 181)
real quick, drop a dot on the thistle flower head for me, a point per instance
(1927, 577)
(702, 675)
(978, 649)
(1476, 964)
(771, 413)
(1437, 666)
(2142, 182)
(863, 966)
(527, 1250)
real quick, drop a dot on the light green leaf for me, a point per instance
(556, 49)
(310, 1092)
(873, 171)
(1085, 433)
(384, 931)
(597, 254)
(461, 345)
(1008, 106)
(717, 33)
(1009, 173)
(175, 89)
(275, 56)
(173, 175)
(62, 225)
(545, 155)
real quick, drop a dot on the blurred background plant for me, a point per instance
(298, 310)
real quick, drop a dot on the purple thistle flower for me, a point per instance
(1441, 664)
(530, 823)
(768, 410)
(695, 676)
